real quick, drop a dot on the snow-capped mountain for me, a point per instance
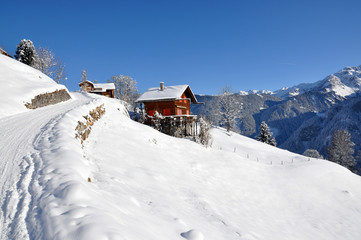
(263, 92)
(343, 83)
(285, 110)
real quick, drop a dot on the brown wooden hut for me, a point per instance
(105, 89)
(173, 103)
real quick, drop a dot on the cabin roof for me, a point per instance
(104, 86)
(86, 81)
(168, 93)
(100, 87)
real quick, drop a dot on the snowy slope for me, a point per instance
(146, 185)
(19, 84)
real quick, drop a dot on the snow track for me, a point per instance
(20, 161)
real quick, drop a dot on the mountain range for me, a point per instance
(303, 116)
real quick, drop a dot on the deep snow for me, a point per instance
(147, 185)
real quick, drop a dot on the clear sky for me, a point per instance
(206, 44)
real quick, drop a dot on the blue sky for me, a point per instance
(206, 44)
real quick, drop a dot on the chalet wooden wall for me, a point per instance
(108, 93)
(166, 108)
(85, 86)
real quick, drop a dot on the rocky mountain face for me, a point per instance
(316, 132)
(303, 116)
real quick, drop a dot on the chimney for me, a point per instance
(161, 87)
(95, 81)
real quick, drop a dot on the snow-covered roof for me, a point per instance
(86, 81)
(100, 87)
(103, 86)
(168, 93)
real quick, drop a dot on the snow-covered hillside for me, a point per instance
(147, 185)
(19, 84)
(128, 181)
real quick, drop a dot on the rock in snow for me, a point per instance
(193, 235)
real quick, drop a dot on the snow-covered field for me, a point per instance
(128, 181)
(146, 185)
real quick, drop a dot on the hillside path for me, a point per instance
(19, 159)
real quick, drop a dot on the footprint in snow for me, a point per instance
(193, 235)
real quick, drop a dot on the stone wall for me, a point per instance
(83, 129)
(46, 99)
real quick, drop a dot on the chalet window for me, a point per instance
(187, 112)
(151, 113)
(166, 112)
(179, 111)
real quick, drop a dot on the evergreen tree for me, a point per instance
(341, 149)
(265, 135)
(84, 76)
(26, 52)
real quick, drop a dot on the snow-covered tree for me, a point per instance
(265, 135)
(341, 149)
(45, 61)
(157, 121)
(59, 72)
(313, 153)
(125, 89)
(357, 168)
(26, 52)
(139, 114)
(225, 109)
(84, 76)
(205, 136)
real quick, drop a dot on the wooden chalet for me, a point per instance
(173, 103)
(3, 52)
(105, 89)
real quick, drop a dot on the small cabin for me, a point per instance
(3, 52)
(173, 103)
(105, 89)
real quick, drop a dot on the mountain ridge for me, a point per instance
(285, 110)
(344, 77)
